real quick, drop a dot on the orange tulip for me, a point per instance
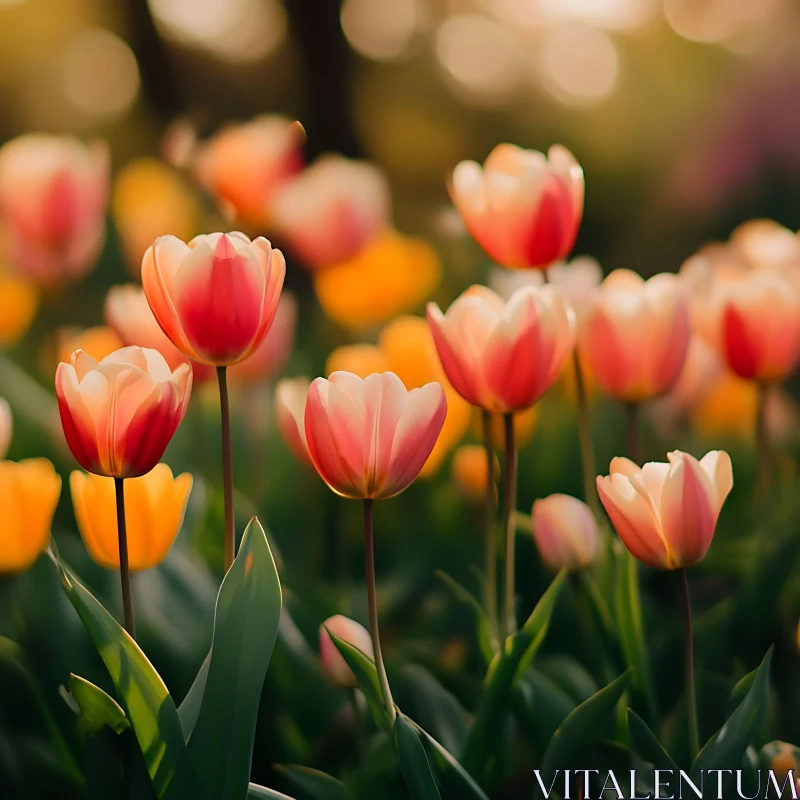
(6, 426)
(369, 438)
(666, 514)
(333, 664)
(29, 492)
(503, 356)
(216, 297)
(565, 531)
(155, 505)
(290, 409)
(332, 210)
(119, 414)
(53, 195)
(636, 335)
(523, 209)
(19, 300)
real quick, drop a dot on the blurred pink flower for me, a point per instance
(290, 410)
(565, 531)
(6, 426)
(333, 664)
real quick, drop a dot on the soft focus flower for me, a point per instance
(665, 514)
(290, 410)
(333, 664)
(360, 359)
(370, 438)
(96, 342)
(148, 198)
(503, 356)
(53, 195)
(636, 335)
(271, 355)
(332, 210)
(19, 300)
(244, 164)
(565, 531)
(6, 427)
(391, 275)
(764, 244)
(523, 208)
(120, 413)
(29, 492)
(215, 297)
(470, 473)
(155, 504)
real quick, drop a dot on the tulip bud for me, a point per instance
(565, 531)
(155, 504)
(333, 664)
(6, 426)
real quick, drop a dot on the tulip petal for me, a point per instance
(717, 465)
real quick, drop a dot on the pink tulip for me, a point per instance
(565, 531)
(765, 244)
(666, 514)
(6, 426)
(215, 297)
(290, 410)
(369, 438)
(333, 664)
(523, 208)
(332, 210)
(636, 335)
(53, 197)
(503, 356)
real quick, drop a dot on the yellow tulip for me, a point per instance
(360, 359)
(154, 508)
(19, 300)
(29, 492)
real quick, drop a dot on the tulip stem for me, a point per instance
(227, 466)
(369, 558)
(585, 436)
(762, 442)
(632, 426)
(509, 522)
(688, 645)
(489, 525)
(124, 567)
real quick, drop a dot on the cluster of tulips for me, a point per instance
(213, 304)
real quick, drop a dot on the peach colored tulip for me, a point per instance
(370, 438)
(290, 410)
(565, 531)
(503, 356)
(6, 427)
(53, 196)
(19, 300)
(636, 335)
(120, 413)
(244, 164)
(665, 514)
(333, 664)
(29, 492)
(215, 297)
(523, 208)
(332, 210)
(155, 505)
(765, 244)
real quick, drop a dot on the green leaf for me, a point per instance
(245, 628)
(255, 792)
(311, 784)
(727, 746)
(583, 727)
(97, 709)
(147, 703)
(189, 709)
(414, 762)
(367, 676)
(540, 706)
(484, 627)
(646, 745)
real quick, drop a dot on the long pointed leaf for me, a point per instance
(646, 745)
(256, 792)
(189, 709)
(311, 784)
(414, 762)
(97, 709)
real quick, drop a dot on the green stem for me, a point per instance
(509, 522)
(369, 558)
(632, 427)
(227, 467)
(688, 648)
(124, 568)
(490, 539)
(585, 436)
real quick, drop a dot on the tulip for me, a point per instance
(369, 438)
(6, 426)
(29, 492)
(19, 300)
(636, 335)
(53, 195)
(96, 342)
(523, 208)
(290, 410)
(666, 514)
(243, 165)
(501, 356)
(333, 664)
(565, 531)
(332, 210)
(120, 413)
(765, 244)
(155, 507)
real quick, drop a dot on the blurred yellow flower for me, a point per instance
(154, 508)
(29, 492)
(391, 275)
(360, 359)
(524, 425)
(97, 342)
(19, 299)
(470, 473)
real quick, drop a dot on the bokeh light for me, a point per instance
(716, 20)
(610, 14)
(380, 29)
